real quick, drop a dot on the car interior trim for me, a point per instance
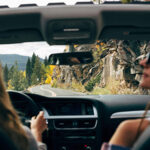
(77, 128)
(95, 116)
(129, 114)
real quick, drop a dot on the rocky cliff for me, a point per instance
(116, 65)
(122, 63)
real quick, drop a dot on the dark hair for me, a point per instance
(9, 120)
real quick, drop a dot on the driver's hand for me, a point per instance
(38, 126)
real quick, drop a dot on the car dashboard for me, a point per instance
(72, 122)
(83, 122)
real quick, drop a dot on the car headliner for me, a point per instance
(86, 23)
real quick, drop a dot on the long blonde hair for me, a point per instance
(9, 120)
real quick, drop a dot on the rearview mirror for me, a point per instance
(71, 58)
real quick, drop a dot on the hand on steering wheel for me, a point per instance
(38, 126)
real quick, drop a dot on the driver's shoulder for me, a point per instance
(33, 144)
(31, 140)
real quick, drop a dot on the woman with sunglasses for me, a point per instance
(128, 131)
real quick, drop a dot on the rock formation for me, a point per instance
(114, 60)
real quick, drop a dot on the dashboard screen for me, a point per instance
(64, 109)
(69, 109)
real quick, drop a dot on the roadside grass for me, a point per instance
(100, 91)
(115, 87)
(74, 85)
(63, 85)
(77, 86)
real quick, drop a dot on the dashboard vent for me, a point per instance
(75, 124)
(63, 124)
(86, 123)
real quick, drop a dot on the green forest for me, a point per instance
(34, 74)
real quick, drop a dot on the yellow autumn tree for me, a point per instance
(10, 87)
(49, 73)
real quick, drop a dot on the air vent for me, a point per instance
(63, 124)
(75, 124)
(86, 123)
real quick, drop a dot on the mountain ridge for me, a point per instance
(10, 60)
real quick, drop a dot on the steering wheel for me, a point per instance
(24, 105)
(143, 143)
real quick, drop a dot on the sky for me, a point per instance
(41, 49)
(16, 3)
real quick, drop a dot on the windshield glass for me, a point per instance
(114, 70)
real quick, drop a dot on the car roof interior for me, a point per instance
(78, 24)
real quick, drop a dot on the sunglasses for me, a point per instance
(148, 58)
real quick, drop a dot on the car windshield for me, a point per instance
(114, 70)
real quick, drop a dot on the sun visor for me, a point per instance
(79, 24)
(125, 22)
(126, 33)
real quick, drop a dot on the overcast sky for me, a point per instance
(42, 49)
(16, 3)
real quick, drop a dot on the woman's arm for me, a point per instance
(126, 133)
(38, 126)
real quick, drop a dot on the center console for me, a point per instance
(72, 125)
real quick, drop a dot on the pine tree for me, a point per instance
(17, 81)
(46, 61)
(11, 71)
(33, 59)
(34, 79)
(43, 73)
(36, 75)
(28, 71)
(15, 78)
(6, 74)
